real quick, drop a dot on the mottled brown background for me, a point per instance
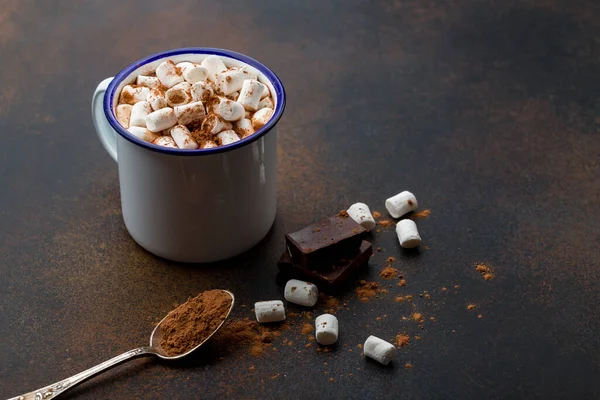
(487, 110)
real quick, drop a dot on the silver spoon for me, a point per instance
(52, 391)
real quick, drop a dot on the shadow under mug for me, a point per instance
(200, 205)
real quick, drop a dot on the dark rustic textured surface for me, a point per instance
(486, 110)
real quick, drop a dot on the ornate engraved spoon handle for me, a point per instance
(52, 391)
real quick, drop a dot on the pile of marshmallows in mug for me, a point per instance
(226, 103)
(306, 294)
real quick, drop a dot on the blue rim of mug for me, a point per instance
(121, 76)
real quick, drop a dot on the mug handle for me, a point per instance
(106, 134)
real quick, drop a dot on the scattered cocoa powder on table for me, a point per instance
(194, 321)
(388, 273)
(247, 333)
(422, 214)
(367, 290)
(402, 340)
(485, 271)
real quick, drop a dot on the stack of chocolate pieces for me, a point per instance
(327, 252)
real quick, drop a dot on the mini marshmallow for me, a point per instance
(183, 139)
(156, 98)
(326, 329)
(379, 350)
(248, 72)
(261, 117)
(269, 311)
(227, 137)
(361, 213)
(266, 103)
(400, 204)
(209, 145)
(250, 94)
(184, 66)
(168, 74)
(407, 232)
(160, 120)
(139, 111)
(265, 92)
(191, 112)
(201, 91)
(148, 81)
(177, 97)
(243, 127)
(195, 74)
(142, 133)
(131, 95)
(213, 65)
(233, 96)
(185, 86)
(165, 141)
(123, 113)
(230, 110)
(213, 124)
(301, 293)
(230, 81)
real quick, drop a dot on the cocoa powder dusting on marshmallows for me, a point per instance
(194, 321)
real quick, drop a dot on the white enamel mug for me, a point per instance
(199, 205)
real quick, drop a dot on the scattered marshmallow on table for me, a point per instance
(189, 113)
(201, 91)
(400, 204)
(142, 133)
(230, 110)
(151, 82)
(131, 95)
(123, 114)
(165, 141)
(139, 112)
(160, 120)
(379, 350)
(156, 98)
(244, 127)
(228, 137)
(407, 232)
(168, 74)
(326, 329)
(361, 213)
(301, 293)
(250, 94)
(269, 311)
(214, 65)
(182, 137)
(213, 124)
(261, 117)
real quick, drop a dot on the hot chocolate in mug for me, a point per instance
(199, 205)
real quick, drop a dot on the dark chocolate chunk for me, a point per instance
(335, 276)
(322, 243)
